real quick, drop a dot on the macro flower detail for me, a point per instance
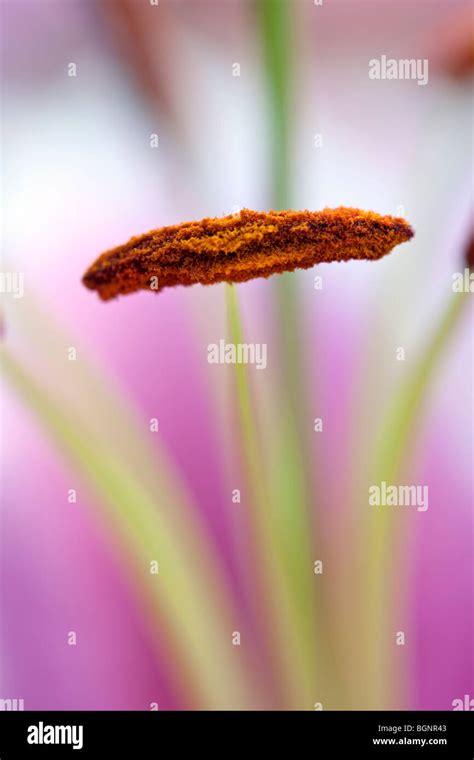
(243, 246)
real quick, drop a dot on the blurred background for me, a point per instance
(168, 540)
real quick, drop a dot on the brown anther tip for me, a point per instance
(243, 246)
(469, 254)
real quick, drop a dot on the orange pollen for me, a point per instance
(243, 246)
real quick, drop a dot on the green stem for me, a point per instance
(275, 21)
(280, 547)
(186, 604)
(291, 471)
(397, 438)
(251, 448)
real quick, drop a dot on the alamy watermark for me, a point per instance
(237, 353)
(11, 705)
(384, 495)
(46, 734)
(12, 283)
(466, 703)
(463, 282)
(401, 68)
